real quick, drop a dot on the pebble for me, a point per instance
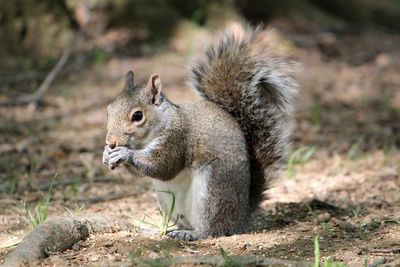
(109, 244)
(304, 229)
(76, 247)
(245, 246)
(94, 258)
(127, 234)
(344, 225)
(323, 217)
(112, 250)
(190, 250)
(118, 257)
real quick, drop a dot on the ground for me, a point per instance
(341, 183)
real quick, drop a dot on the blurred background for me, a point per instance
(63, 61)
(35, 33)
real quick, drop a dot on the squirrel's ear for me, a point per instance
(129, 80)
(153, 89)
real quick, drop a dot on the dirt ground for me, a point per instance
(342, 181)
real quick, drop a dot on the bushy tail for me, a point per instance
(238, 74)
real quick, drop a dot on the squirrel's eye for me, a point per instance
(137, 116)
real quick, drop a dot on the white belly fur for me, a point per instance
(188, 187)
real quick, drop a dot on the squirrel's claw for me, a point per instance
(117, 156)
(181, 235)
(108, 149)
(106, 157)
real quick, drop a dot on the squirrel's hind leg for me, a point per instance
(221, 206)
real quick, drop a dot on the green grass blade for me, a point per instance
(317, 254)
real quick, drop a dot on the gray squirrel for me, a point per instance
(218, 155)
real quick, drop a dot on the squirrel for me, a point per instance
(214, 158)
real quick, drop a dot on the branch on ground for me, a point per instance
(38, 94)
(105, 198)
(59, 234)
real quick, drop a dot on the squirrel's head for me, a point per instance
(135, 115)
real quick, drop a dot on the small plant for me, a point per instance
(39, 214)
(77, 209)
(74, 189)
(356, 150)
(390, 220)
(316, 114)
(331, 263)
(317, 257)
(228, 261)
(356, 211)
(389, 149)
(310, 210)
(12, 182)
(167, 260)
(32, 170)
(299, 157)
(154, 263)
(198, 15)
(317, 254)
(99, 56)
(165, 224)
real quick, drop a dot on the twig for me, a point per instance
(57, 183)
(110, 197)
(64, 182)
(38, 94)
(380, 251)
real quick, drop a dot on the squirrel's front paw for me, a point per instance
(119, 155)
(182, 235)
(106, 154)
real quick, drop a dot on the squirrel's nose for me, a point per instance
(111, 141)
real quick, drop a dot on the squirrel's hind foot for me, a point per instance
(182, 235)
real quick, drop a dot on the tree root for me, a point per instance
(60, 233)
